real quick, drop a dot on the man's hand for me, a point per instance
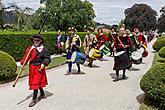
(42, 66)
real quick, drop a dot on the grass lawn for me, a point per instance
(157, 60)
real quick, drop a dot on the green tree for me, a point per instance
(68, 13)
(161, 20)
(141, 16)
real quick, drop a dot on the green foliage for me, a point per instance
(67, 13)
(141, 16)
(16, 43)
(153, 84)
(162, 52)
(159, 43)
(8, 66)
(161, 20)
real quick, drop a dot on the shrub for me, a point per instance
(159, 43)
(15, 43)
(162, 52)
(153, 84)
(8, 66)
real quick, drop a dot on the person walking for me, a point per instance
(122, 43)
(90, 41)
(38, 59)
(73, 43)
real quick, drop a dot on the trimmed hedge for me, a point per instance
(8, 66)
(153, 84)
(15, 43)
(159, 43)
(162, 52)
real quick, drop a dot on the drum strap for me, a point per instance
(121, 42)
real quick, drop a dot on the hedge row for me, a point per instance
(162, 52)
(16, 43)
(153, 84)
(159, 43)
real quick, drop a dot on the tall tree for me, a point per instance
(161, 20)
(69, 13)
(141, 16)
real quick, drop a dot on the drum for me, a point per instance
(145, 54)
(104, 49)
(78, 57)
(117, 54)
(141, 50)
(95, 54)
(136, 57)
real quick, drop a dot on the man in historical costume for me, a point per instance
(101, 38)
(110, 40)
(90, 41)
(122, 43)
(73, 43)
(59, 43)
(38, 59)
(140, 38)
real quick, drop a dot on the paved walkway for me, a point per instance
(91, 90)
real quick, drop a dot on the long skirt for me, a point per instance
(122, 62)
(37, 79)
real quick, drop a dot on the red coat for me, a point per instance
(37, 79)
(124, 40)
(101, 39)
(142, 39)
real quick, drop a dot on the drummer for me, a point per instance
(90, 41)
(140, 38)
(101, 38)
(73, 43)
(122, 43)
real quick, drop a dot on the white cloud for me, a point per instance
(23, 3)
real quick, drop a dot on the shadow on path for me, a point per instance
(113, 76)
(134, 69)
(93, 66)
(140, 98)
(47, 94)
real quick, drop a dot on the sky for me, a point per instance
(107, 11)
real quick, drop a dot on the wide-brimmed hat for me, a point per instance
(37, 36)
(72, 28)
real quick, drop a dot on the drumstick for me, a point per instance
(16, 80)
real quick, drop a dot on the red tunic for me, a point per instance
(101, 39)
(36, 79)
(142, 39)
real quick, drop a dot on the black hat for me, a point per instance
(37, 36)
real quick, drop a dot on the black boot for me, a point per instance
(34, 101)
(42, 94)
(78, 66)
(124, 77)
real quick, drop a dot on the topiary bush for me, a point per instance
(8, 66)
(153, 84)
(159, 43)
(162, 52)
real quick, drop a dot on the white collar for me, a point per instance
(38, 48)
